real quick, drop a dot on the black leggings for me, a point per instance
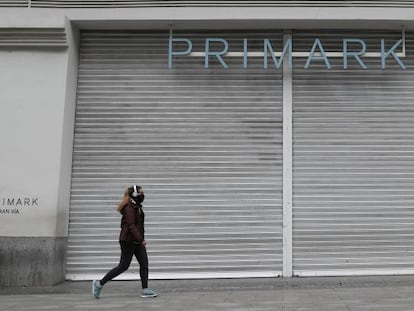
(127, 251)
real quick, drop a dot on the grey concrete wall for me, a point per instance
(28, 261)
(38, 95)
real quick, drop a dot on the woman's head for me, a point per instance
(136, 194)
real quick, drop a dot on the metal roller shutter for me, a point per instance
(207, 3)
(353, 161)
(205, 144)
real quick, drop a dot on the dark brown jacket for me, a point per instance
(132, 223)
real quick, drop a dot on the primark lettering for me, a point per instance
(23, 201)
(14, 205)
(316, 54)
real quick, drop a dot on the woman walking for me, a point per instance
(131, 240)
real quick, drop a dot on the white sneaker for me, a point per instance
(96, 289)
(149, 293)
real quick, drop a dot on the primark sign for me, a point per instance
(276, 58)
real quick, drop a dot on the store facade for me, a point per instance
(266, 146)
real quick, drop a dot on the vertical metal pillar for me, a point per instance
(287, 166)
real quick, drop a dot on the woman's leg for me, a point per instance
(127, 250)
(142, 258)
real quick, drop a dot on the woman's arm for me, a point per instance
(132, 227)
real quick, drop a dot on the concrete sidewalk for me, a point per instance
(382, 293)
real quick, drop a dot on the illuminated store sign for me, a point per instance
(316, 54)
